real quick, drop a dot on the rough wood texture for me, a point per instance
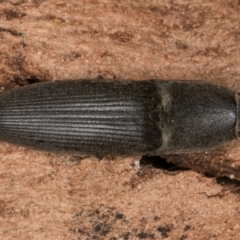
(48, 196)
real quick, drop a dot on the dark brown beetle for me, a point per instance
(119, 118)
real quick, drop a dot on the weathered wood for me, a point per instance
(49, 196)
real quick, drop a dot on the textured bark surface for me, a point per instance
(50, 196)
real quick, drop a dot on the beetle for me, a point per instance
(120, 118)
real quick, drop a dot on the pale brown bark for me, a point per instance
(50, 196)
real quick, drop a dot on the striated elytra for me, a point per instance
(119, 118)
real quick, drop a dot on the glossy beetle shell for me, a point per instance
(86, 117)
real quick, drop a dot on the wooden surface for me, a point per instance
(50, 196)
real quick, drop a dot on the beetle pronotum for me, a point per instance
(117, 118)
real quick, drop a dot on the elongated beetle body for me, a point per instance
(118, 118)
